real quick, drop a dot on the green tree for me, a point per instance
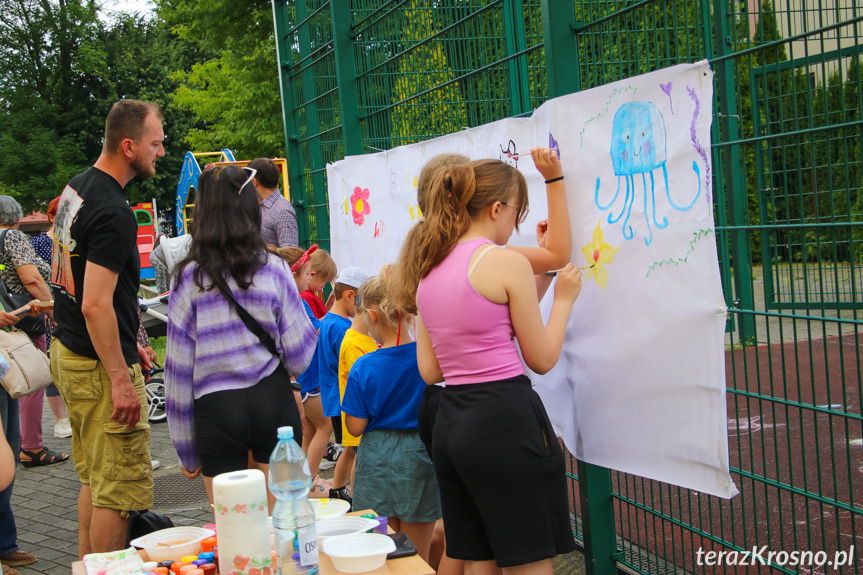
(233, 88)
(61, 69)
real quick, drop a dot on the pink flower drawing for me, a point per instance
(360, 203)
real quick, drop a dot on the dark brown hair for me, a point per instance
(227, 239)
(127, 120)
(457, 195)
(268, 172)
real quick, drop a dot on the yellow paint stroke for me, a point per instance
(598, 253)
(347, 207)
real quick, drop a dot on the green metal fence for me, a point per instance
(363, 75)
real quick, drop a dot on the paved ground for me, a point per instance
(44, 503)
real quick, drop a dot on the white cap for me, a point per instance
(353, 277)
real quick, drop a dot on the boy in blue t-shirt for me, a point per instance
(332, 331)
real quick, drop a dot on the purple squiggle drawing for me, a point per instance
(696, 144)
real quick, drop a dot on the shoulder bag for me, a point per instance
(32, 325)
(29, 370)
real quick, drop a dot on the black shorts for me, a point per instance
(501, 474)
(230, 423)
(427, 413)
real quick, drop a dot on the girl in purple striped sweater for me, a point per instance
(226, 392)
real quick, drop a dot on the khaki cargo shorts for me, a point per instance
(112, 459)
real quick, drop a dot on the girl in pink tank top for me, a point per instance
(473, 300)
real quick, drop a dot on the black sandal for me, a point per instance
(42, 457)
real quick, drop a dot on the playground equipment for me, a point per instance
(192, 170)
(145, 215)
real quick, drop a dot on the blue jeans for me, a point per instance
(12, 429)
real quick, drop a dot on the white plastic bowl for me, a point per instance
(329, 507)
(359, 553)
(340, 526)
(187, 539)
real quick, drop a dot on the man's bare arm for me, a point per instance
(98, 309)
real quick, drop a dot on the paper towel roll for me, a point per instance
(240, 499)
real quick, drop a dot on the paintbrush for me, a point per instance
(525, 154)
(554, 272)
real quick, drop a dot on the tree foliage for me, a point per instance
(233, 89)
(61, 69)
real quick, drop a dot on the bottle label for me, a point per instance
(308, 540)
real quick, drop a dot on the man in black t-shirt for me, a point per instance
(95, 358)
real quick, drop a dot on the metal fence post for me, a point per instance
(346, 76)
(597, 519)
(729, 118)
(289, 120)
(519, 85)
(594, 482)
(562, 61)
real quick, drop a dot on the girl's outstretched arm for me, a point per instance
(558, 242)
(426, 358)
(540, 345)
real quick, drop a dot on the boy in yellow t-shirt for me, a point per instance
(355, 344)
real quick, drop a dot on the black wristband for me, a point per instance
(551, 181)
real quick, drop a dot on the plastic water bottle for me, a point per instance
(293, 517)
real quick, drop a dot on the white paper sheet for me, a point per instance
(640, 385)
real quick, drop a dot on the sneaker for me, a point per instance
(326, 464)
(334, 451)
(342, 493)
(156, 463)
(9, 571)
(62, 429)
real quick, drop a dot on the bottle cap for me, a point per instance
(199, 562)
(207, 555)
(161, 570)
(286, 432)
(196, 572)
(208, 544)
(167, 563)
(209, 568)
(175, 567)
(184, 570)
(189, 558)
(148, 566)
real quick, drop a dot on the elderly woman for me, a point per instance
(228, 391)
(25, 272)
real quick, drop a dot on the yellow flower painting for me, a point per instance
(598, 253)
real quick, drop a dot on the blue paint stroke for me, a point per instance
(696, 144)
(638, 146)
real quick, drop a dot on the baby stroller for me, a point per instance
(155, 320)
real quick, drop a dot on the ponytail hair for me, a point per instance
(457, 195)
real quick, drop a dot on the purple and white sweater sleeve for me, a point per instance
(179, 381)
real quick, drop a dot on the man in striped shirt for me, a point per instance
(278, 218)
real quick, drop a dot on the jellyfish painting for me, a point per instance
(638, 147)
